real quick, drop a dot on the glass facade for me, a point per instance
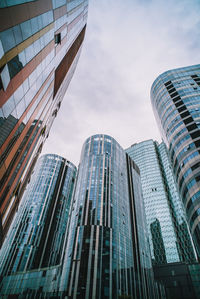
(195, 277)
(32, 253)
(170, 239)
(40, 43)
(175, 97)
(107, 254)
(181, 280)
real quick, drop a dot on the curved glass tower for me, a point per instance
(175, 97)
(32, 253)
(40, 43)
(107, 254)
(170, 240)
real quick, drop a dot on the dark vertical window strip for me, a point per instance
(45, 237)
(104, 193)
(136, 251)
(92, 269)
(84, 260)
(72, 269)
(99, 264)
(107, 197)
(84, 207)
(50, 246)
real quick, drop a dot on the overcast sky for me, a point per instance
(128, 43)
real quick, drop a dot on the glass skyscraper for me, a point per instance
(175, 97)
(83, 237)
(168, 232)
(107, 255)
(31, 256)
(40, 42)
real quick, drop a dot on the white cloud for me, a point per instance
(127, 45)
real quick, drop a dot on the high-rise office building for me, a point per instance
(175, 97)
(90, 241)
(108, 254)
(169, 236)
(31, 256)
(40, 42)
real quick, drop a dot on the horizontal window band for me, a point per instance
(20, 47)
(17, 144)
(24, 73)
(25, 160)
(6, 142)
(15, 15)
(15, 182)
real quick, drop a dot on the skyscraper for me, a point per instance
(90, 241)
(175, 97)
(40, 42)
(31, 256)
(107, 255)
(168, 232)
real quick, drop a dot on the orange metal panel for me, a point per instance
(24, 73)
(24, 114)
(17, 14)
(59, 12)
(14, 149)
(19, 174)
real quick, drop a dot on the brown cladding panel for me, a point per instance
(17, 144)
(59, 12)
(14, 184)
(24, 73)
(17, 14)
(6, 143)
(66, 62)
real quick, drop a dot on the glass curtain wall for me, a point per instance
(32, 253)
(175, 97)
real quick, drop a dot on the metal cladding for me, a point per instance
(40, 43)
(175, 97)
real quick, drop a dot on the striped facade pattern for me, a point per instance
(176, 102)
(40, 43)
(170, 240)
(37, 237)
(107, 254)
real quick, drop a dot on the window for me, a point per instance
(57, 38)
(5, 77)
(14, 66)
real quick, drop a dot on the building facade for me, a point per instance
(181, 280)
(107, 255)
(169, 236)
(31, 256)
(175, 97)
(40, 43)
(83, 237)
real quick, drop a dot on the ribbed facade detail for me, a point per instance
(100, 260)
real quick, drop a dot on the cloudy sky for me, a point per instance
(128, 43)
